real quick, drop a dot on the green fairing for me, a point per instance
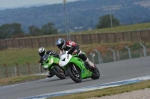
(56, 60)
(50, 63)
(85, 73)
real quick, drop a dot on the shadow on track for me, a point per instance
(72, 82)
(53, 79)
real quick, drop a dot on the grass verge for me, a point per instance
(106, 91)
(20, 79)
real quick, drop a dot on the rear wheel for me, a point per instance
(59, 72)
(96, 73)
(74, 73)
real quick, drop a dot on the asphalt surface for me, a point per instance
(110, 72)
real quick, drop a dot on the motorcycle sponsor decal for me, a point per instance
(82, 70)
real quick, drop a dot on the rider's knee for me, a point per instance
(83, 56)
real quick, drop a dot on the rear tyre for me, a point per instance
(74, 73)
(59, 72)
(96, 73)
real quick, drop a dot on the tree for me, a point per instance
(16, 30)
(10, 30)
(49, 29)
(107, 21)
(4, 31)
(34, 31)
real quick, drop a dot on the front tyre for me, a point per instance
(59, 72)
(74, 73)
(96, 74)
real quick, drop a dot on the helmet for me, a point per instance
(61, 43)
(41, 51)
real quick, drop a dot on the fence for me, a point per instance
(49, 41)
(117, 55)
(12, 71)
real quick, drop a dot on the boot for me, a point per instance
(49, 74)
(90, 63)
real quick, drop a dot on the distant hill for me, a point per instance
(82, 14)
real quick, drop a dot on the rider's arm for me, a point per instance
(71, 50)
(52, 53)
(49, 52)
(75, 49)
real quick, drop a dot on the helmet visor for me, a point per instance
(61, 46)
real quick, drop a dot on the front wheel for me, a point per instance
(59, 72)
(96, 74)
(74, 73)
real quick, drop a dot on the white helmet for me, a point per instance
(41, 51)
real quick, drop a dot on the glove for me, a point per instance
(69, 51)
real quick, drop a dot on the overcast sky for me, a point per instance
(20, 3)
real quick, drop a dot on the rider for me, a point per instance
(42, 51)
(73, 48)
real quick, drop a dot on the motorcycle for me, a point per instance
(77, 69)
(51, 63)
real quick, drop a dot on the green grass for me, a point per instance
(20, 56)
(118, 29)
(20, 79)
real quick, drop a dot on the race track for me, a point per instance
(110, 72)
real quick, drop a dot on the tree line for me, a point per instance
(14, 30)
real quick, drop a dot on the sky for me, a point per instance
(21, 3)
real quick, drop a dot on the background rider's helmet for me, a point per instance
(41, 51)
(61, 43)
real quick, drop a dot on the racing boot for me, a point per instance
(49, 74)
(92, 66)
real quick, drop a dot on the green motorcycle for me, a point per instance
(51, 63)
(77, 69)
